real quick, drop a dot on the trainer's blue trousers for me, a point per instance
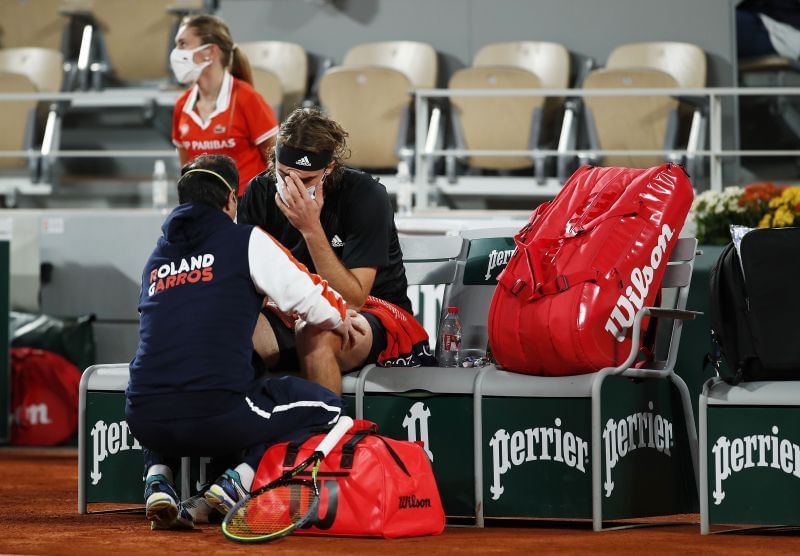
(227, 426)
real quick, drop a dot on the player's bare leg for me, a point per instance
(322, 359)
(265, 343)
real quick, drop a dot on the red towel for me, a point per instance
(406, 340)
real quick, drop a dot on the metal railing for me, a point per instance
(109, 98)
(425, 152)
(427, 146)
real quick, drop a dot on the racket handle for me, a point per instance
(337, 432)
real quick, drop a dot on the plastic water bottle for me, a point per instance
(160, 185)
(404, 193)
(449, 343)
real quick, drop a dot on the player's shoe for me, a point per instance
(226, 491)
(162, 507)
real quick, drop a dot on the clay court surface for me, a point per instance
(38, 515)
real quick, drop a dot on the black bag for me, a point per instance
(754, 316)
(70, 337)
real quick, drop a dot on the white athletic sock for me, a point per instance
(246, 474)
(160, 469)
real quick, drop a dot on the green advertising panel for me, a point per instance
(349, 405)
(486, 259)
(753, 465)
(113, 456)
(537, 454)
(646, 458)
(536, 458)
(5, 364)
(444, 424)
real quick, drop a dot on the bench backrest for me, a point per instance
(468, 266)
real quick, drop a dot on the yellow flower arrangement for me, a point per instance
(784, 210)
(759, 204)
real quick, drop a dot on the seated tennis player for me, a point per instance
(193, 390)
(339, 222)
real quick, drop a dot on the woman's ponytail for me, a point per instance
(240, 65)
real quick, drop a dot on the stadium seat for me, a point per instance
(28, 125)
(371, 103)
(28, 24)
(549, 61)
(129, 41)
(43, 66)
(17, 116)
(280, 72)
(685, 122)
(631, 123)
(494, 122)
(416, 60)
(685, 62)
(369, 94)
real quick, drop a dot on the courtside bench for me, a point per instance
(434, 405)
(749, 453)
(542, 446)
(110, 459)
(614, 444)
(474, 422)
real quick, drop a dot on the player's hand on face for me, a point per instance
(300, 208)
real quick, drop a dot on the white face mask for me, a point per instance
(183, 65)
(280, 185)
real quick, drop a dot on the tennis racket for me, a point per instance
(278, 508)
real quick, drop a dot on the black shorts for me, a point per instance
(288, 360)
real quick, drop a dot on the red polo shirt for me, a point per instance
(241, 121)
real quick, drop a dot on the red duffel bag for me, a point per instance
(370, 485)
(44, 397)
(584, 264)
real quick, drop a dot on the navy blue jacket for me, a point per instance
(198, 307)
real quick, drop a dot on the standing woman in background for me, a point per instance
(221, 113)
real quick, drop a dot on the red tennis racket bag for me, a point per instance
(584, 264)
(370, 485)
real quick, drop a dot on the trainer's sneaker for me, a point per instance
(162, 507)
(226, 491)
(201, 509)
(183, 521)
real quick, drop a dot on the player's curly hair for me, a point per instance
(311, 130)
